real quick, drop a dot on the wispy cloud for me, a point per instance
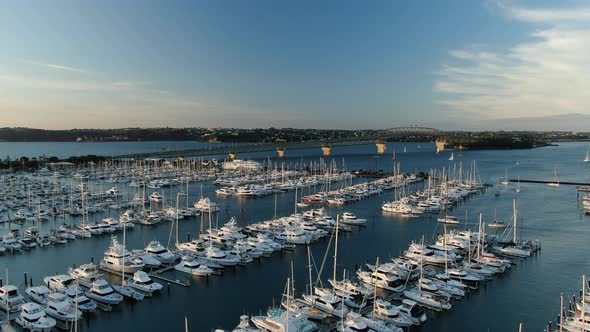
(546, 15)
(58, 67)
(546, 76)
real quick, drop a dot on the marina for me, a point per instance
(426, 221)
(308, 166)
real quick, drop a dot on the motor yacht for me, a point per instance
(77, 297)
(117, 258)
(142, 282)
(329, 304)
(60, 308)
(86, 274)
(102, 292)
(10, 299)
(194, 267)
(38, 294)
(33, 318)
(159, 252)
(412, 311)
(278, 320)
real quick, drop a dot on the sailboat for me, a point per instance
(452, 157)
(301, 204)
(497, 223)
(587, 159)
(505, 180)
(555, 182)
(518, 185)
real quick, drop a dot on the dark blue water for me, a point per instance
(528, 294)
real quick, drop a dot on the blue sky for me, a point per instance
(320, 64)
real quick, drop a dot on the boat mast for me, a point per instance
(336, 247)
(515, 217)
(309, 266)
(584, 302)
(375, 286)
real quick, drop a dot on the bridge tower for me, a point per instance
(326, 150)
(381, 146)
(281, 152)
(440, 145)
(232, 155)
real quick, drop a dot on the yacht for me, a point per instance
(205, 205)
(59, 283)
(155, 197)
(118, 259)
(194, 245)
(225, 191)
(386, 311)
(86, 274)
(163, 255)
(102, 292)
(449, 220)
(329, 304)
(381, 280)
(149, 219)
(294, 235)
(33, 318)
(10, 299)
(60, 308)
(192, 266)
(232, 230)
(84, 304)
(93, 228)
(128, 217)
(397, 207)
(469, 279)
(350, 219)
(354, 322)
(218, 256)
(497, 224)
(298, 307)
(142, 282)
(278, 320)
(412, 311)
(427, 299)
(38, 294)
(419, 252)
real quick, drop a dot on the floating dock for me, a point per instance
(154, 274)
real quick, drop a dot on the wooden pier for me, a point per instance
(156, 274)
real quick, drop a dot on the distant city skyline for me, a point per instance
(453, 65)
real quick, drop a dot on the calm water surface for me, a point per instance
(529, 293)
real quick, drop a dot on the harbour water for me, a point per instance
(529, 293)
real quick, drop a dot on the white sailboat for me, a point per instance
(518, 185)
(505, 180)
(555, 182)
(587, 159)
(452, 157)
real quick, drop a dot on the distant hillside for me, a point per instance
(177, 134)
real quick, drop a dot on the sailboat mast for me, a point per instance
(515, 217)
(309, 268)
(336, 246)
